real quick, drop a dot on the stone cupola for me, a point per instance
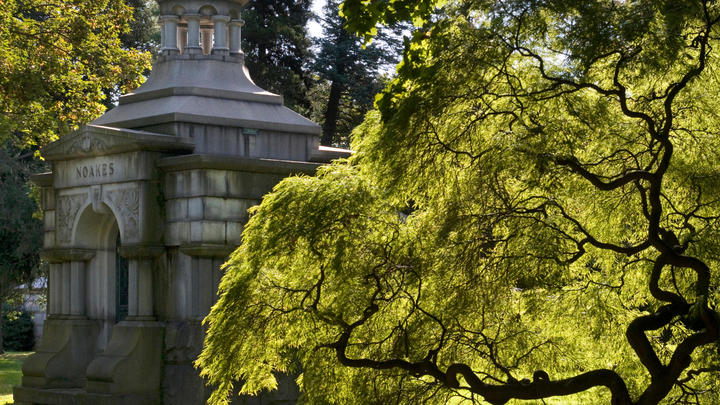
(200, 88)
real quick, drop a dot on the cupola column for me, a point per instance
(235, 36)
(221, 44)
(193, 36)
(170, 26)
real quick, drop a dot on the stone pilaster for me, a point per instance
(235, 29)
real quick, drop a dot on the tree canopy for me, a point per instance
(55, 61)
(531, 213)
(277, 48)
(352, 71)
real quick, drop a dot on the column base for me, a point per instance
(61, 358)
(132, 362)
(33, 396)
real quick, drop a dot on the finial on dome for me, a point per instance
(209, 27)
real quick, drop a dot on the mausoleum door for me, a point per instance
(121, 284)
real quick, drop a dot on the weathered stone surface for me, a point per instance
(132, 362)
(62, 356)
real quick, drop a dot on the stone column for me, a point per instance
(65, 289)
(193, 34)
(67, 282)
(169, 23)
(162, 34)
(55, 290)
(78, 293)
(221, 44)
(140, 281)
(235, 36)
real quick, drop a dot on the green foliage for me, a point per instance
(20, 229)
(277, 48)
(17, 329)
(532, 212)
(144, 33)
(351, 71)
(56, 59)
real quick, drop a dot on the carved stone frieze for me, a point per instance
(127, 202)
(87, 143)
(68, 207)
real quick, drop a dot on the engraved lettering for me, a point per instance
(97, 170)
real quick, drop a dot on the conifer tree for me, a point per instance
(352, 71)
(277, 48)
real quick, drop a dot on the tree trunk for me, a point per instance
(331, 114)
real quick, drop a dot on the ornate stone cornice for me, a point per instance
(94, 140)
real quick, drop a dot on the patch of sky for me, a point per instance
(314, 27)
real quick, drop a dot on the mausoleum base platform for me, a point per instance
(33, 396)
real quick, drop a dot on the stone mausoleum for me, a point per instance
(142, 208)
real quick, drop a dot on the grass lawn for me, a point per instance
(10, 374)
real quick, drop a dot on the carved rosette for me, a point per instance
(127, 202)
(67, 210)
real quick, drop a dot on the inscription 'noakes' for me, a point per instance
(96, 170)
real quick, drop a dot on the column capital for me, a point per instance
(169, 18)
(221, 18)
(237, 23)
(67, 255)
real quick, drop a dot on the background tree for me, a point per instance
(20, 229)
(143, 35)
(56, 60)
(532, 213)
(351, 72)
(277, 48)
